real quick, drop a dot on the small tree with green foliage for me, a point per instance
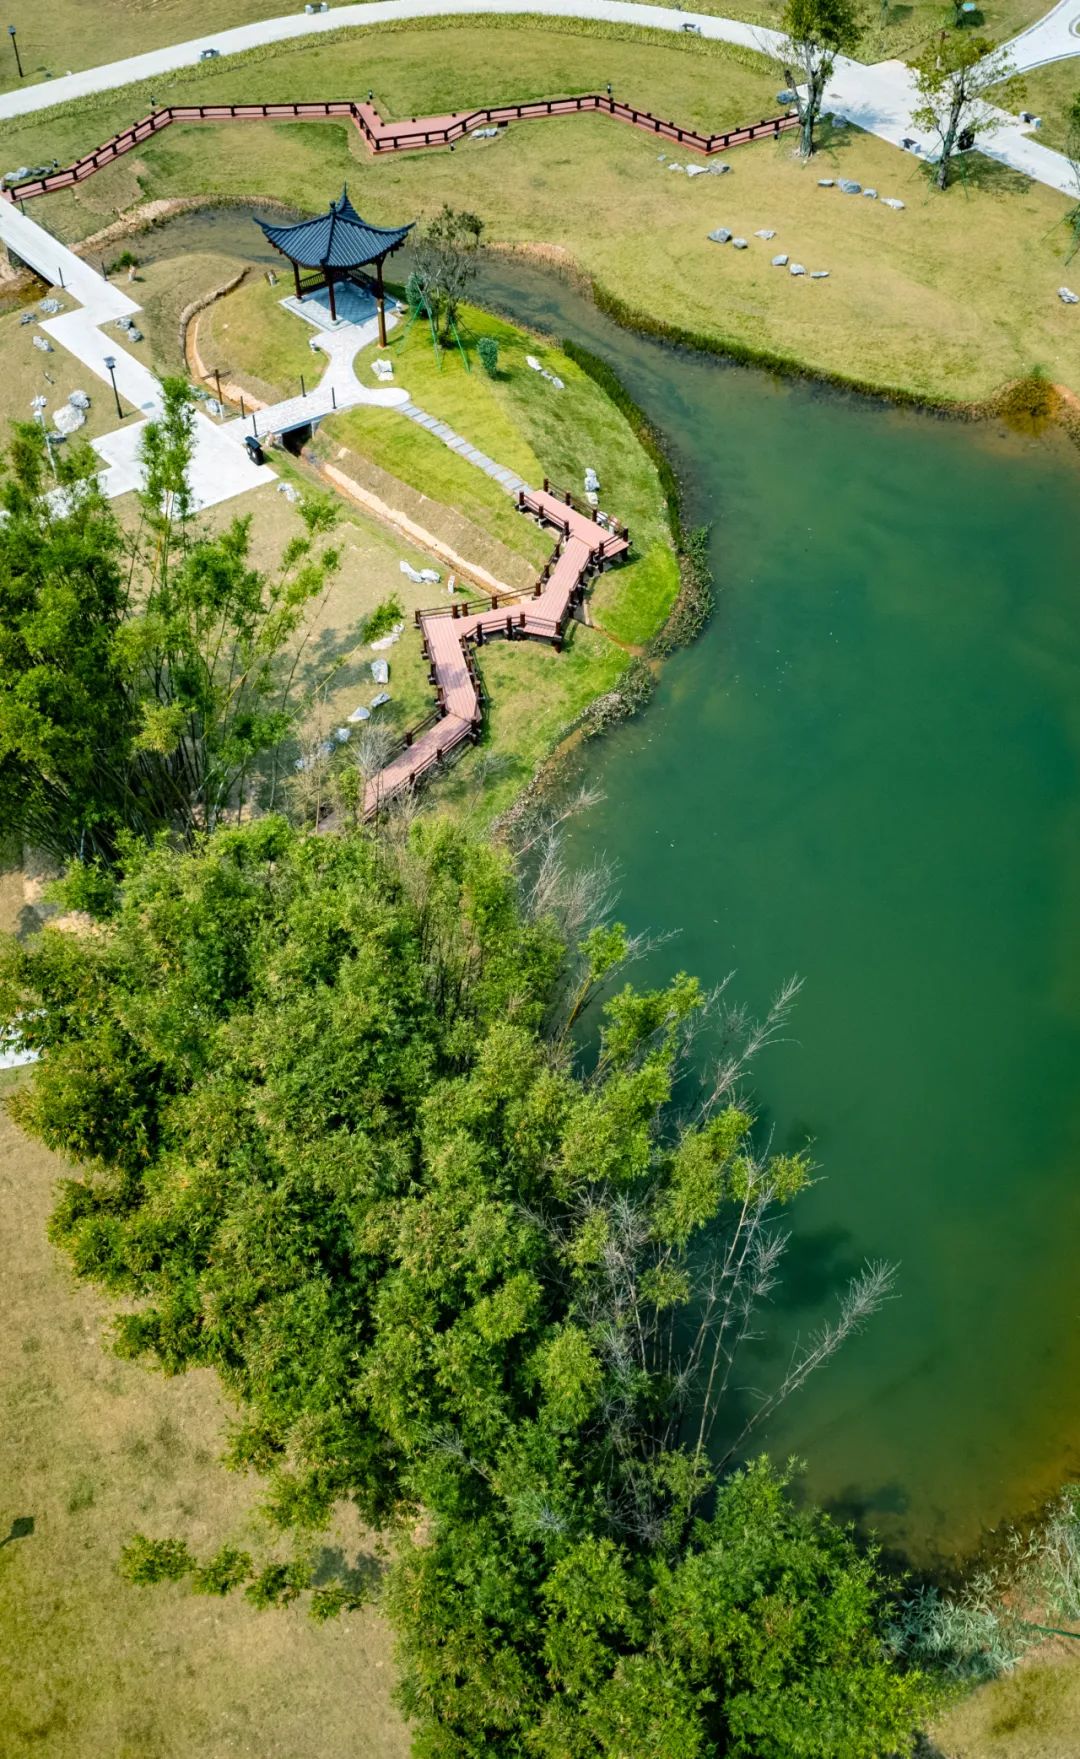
(953, 79)
(445, 257)
(488, 350)
(143, 678)
(1072, 153)
(813, 33)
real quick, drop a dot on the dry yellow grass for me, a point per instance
(947, 300)
(1033, 1713)
(92, 1449)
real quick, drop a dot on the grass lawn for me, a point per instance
(93, 1449)
(1033, 1713)
(71, 34)
(517, 417)
(949, 299)
(1048, 92)
(534, 695)
(28, 373)
(334, 672)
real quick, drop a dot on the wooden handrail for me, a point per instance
(389, 137)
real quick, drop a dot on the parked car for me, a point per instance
(209, 54)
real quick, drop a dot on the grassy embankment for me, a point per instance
(71, 35)
(945, 301)
(93, 1449)
(519, 418)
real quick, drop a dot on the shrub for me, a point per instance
(382, 619)
(145, 1561)
(488, 350)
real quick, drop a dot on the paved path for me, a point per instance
(879, 99)
(220, 467)
(338, 387)
(1055, 38)
(506, 479)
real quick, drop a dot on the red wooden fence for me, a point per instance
(383, 137)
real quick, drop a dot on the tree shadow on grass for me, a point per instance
(975, 171)
(331, 1568)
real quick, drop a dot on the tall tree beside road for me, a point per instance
(813, 33)
(953, 80)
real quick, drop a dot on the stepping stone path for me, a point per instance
(720, 236)
(738, 243)
(506, 479)
(872, 193)
(796, 269)
(780, 262)
(847, 187)
(826, 182)
(892, 201)
(819, 274)
(766, 232)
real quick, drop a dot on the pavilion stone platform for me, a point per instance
(355, 305)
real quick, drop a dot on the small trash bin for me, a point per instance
(254, 449)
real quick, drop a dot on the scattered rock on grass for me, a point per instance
(819, 274)
(848, 187)
(738, 244)
(766, 232)
(720, 236)
(796, 269)
(872, 193)
(826, 182)
(1068, 297)
(892, 201)
(780, 262)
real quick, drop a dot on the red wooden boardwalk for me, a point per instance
(451, 632)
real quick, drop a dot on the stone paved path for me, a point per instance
(506, 479)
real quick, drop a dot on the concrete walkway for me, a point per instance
(338, 388)
(1055, 38)
(220, 466)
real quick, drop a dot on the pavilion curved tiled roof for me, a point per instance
(338, 239)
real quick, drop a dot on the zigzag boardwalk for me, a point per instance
(450, 633)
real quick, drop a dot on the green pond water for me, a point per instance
(866, 772)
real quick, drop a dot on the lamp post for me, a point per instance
(15, 46)
(110, 367)
(37, 404)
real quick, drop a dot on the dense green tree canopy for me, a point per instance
(148, 670)
(333, 1142)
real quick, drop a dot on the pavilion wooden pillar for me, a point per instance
(330, 286)
(296, 280)
(380, 298)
